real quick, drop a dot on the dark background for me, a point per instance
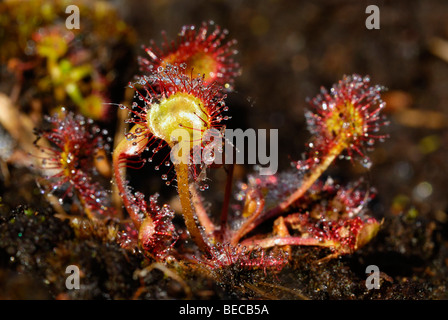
(288, 49)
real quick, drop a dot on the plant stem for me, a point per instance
(124, 150)
(84, 206)
(225, 205)
(284, 241)
(253, 198)
(201, 213)
(185, 201)
(119, 174)
(308, 181)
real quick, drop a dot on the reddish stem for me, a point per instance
(252, 197)
(308, 181)
(122, 189)
(201, 213)
(284, 241)
(225, 205)
(124, 150)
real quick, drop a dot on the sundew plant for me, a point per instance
(256, 156)
(183, 88)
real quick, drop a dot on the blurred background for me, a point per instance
(287, 50)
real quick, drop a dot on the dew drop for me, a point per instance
(366, 163)
(138, 130)
(130, 136)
